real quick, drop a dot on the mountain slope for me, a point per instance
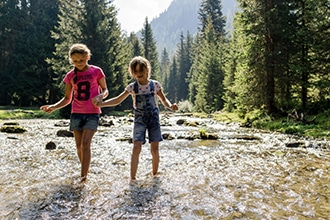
(182, 17)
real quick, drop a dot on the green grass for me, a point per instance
(7, 113)
(319, 128)
(256, 119)
(24, 114)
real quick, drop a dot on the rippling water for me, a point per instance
(229, 178)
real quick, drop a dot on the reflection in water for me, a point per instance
(230, 178)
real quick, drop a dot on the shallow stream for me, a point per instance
(234, 177)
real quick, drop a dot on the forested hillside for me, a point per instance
(182, 17)
(276, 58)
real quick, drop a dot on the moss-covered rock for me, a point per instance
(12, 129)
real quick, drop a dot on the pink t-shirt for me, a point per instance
(86, 88)
(144, 89)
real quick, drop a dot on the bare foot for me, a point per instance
(133, 182)
(154, 175)
(83, 179)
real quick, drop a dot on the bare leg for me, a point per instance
(84, 152)
(77, 137)
(155, 156)
(135, 158)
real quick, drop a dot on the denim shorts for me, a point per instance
(147, 121)
(84, 121)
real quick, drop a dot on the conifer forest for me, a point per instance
(276, 58)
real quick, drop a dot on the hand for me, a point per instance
(174, 107)
(47, 108)
(97, 100)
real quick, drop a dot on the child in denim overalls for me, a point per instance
(145, 93)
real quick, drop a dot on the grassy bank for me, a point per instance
(317, 126)
(7, 113)
(24, 113)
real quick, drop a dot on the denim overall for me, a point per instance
(146, 115)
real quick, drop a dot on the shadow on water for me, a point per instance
(64, 200)
(141, 199)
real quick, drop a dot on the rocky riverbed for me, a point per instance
(241, 174)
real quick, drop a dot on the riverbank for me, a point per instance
(315, 126)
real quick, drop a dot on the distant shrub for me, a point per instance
(185, 106)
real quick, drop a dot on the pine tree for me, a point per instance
(12, 22)
(32, 46)
(277, 40)
(258, 83)
(206, 73)
(318, 24)
(184, 61)
(209, 82)
(172, 80)
(68, 31)
(135, 45)
(150, 49)
(212, 9)
(165, 69)
(103, 37)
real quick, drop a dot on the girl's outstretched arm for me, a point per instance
(115, 100)
(97, 100)
(166, 102)
(62, 103)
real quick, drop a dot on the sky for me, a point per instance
(132, 13)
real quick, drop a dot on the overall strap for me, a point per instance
(152, 86)
(136, 87)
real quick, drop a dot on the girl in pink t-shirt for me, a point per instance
(84, 83)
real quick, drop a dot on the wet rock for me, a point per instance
(11, 123)
(50, 146)
(129, 139)
(119, 162)
(62, 124)
(209, 136)
(246, 137)
(106, 122)
(186, 123)
(190, 136)
(13, 129)
(181, 121)
(192, 123)
(167, 136)
(295, 145)
(64, 133)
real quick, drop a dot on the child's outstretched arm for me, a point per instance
(115, 100)
(62, 103)
(166, 102)
(97, 100)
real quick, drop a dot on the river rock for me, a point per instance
(62, 124)
(106, 122)
(11, 123)
(13, 129)
(167, 136)
(50, 145)
(64, 133)
(209, 136)
(295, 144)
(129, 139)
(187, 123)
(246, 137)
